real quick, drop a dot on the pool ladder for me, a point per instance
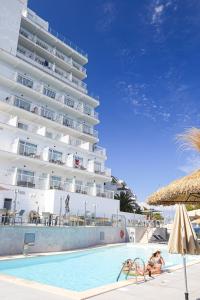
(135, 264)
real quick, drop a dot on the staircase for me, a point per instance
(147, 235)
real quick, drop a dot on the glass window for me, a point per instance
(69, 101)
(68, 122)
(55, 182)
(25, 81)
(49, 92)
(27, 149)
(55, 156)
(97, 167)
(46, 113)
(22, 104)
(25, 178)
(87, 110)
(87, 129)
(22, 126)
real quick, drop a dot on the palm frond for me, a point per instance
(190, 138)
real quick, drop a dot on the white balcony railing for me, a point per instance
(49, 114)
(41, 43)
(45, 182)
(50, 68)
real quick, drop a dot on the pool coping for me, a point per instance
(83, 294)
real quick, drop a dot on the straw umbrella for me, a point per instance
(185, 190)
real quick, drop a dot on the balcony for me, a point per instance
(25, 181)
(27, 149)
(53, 51)
(50, 115)
(50, 68)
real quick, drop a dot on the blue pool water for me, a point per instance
(82, 270)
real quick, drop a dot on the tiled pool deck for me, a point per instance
(163, 287)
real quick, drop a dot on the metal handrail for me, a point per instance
(133, 264)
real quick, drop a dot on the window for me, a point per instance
(55, 182)
(27, 149)
(25, 178)
(22, 126)
(46, 113)
(49, 92)
(55, 156)
(25, 81)
(22, 104)
(87, 110)
(68, 122)
(87, 129)
(97, 167)
(69, 101)
(79, 184)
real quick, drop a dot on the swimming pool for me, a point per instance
(83, 270)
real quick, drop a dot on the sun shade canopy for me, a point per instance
(185, 190)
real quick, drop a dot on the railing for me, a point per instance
(100, 150)
(48, 67)
(43, 182)
(35, 39)
(30, 151)
(48, 114)
(26, 181)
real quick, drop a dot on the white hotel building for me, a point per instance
(48, 147)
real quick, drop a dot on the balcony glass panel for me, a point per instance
(87, 129)
(46, 113)
(25, 178)
(25, 81)
(22, 104)
(55, 183)
(49, 92)
(97, 167)
(68, 122)
(87, 110)
(55, 156)
(27, 149)
(69, 102)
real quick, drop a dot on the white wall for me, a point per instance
(49, 201)
(10, 18)
(49, 239)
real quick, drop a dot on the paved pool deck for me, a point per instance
(165, 287)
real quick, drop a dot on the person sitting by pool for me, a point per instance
(155, 263)
(133, 268)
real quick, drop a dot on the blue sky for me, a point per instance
(144, 64)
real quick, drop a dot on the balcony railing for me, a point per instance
(28, 151)
(26, 181)
(48, 67)
(51, 50)
(48, 114)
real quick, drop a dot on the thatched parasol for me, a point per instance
(184, 190)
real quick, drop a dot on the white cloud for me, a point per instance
(108, 14)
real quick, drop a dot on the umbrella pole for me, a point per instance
(185, 276)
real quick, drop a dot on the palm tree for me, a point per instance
(126, 202)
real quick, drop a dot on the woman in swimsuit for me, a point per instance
(155, 264)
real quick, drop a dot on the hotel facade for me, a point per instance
(49, 145)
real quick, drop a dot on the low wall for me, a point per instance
(50, 239)
(134, 234)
